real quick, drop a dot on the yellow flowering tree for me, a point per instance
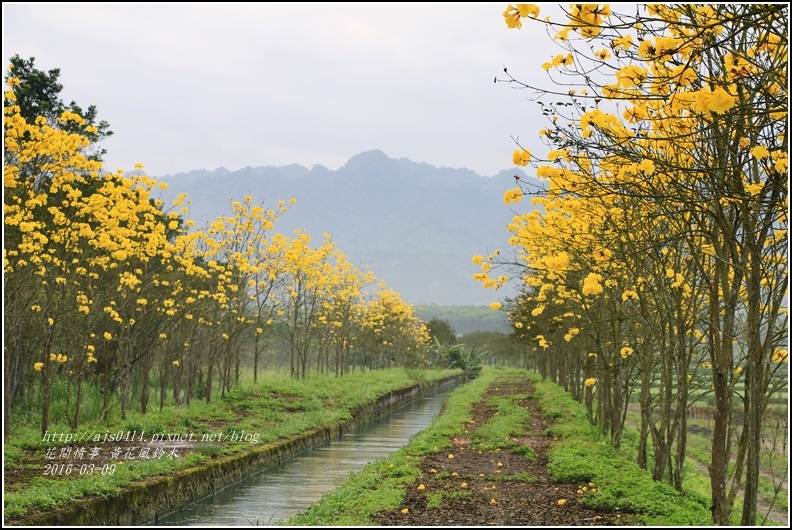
(305, 289)
(108, 287)
(75, 229)
(37, 94)
(392, 333)
(678, 112)
(264, 281)
(342, 317)
(239, 249)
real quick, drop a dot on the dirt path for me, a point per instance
(495, 487)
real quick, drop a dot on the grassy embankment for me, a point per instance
(773, 499)
(276, 408)
(580, 455)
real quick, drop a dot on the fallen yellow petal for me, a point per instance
(421, 487)
(450, 456)
(561, 502)
(406, 510)
(493, 501)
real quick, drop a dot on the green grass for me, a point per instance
(46, 493)
(581, 456)
(437, 499)
(525, 450)
(381, 485)
(696, 482)
(274, 409)
(509, 421)
(770, 492)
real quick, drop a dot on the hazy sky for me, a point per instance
(199, 86)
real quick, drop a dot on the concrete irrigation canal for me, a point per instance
(365, 422)
(283, 490)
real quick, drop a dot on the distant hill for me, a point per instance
(465, 319)
(414, 225)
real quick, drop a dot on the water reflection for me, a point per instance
(282, 491)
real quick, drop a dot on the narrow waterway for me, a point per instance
(282, 491)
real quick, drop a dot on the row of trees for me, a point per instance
(655, 262)
(108, 288)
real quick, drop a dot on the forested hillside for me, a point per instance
(465, 319)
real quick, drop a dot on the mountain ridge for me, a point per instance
(414, 225)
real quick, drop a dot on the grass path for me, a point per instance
(509, 450)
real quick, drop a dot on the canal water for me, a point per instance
(284, 490)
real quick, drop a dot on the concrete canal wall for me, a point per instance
(146, 501)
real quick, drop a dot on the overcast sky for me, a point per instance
(200, 86)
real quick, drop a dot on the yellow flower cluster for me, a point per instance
(780, 356)
(591, 284)
(513, 14)
(512, 196)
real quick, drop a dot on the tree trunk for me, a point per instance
(754, 389)
(46, 380)
(209, 381)
(644, 401)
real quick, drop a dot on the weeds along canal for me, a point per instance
(284, 490)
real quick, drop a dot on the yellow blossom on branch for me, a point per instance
(717, 101)
(760, 152)
(512, 17)
(512, 196)
(521, 157)
(591, 284)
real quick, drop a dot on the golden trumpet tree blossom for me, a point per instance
(670, 204)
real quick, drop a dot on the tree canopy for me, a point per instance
(657, 260)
